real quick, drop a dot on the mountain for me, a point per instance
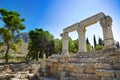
(24, 36)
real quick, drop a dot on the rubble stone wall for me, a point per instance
(100, 65)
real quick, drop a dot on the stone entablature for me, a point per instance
(105, 22)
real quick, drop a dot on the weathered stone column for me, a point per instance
(81, 39)
(64, 43)
(106, 24)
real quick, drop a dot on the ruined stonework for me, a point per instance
(105, 23)
(97, 65)
(100, 65)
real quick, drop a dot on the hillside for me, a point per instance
(24, 36)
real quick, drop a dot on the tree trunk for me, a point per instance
(37, 56)
(6, 54)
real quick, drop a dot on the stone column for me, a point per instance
(64, 43)
(106, 24)
(81, 39)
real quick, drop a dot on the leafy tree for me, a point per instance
(6, 36)
(12, 21)
(58, 45)
(87, 41)
(95, 43)
(41, 43)
(100, 41)
(13, 24)
(75, 47)
(70, 45)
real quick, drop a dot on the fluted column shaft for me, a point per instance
(64, 43)
(81, 40)
(106, 24)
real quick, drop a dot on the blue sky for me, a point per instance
(54, 15)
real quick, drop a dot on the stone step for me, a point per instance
(67, 78)
(55, 78)
(93, 60)
(108, 73)
(87, 77)
(48, 78)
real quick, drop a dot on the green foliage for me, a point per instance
(100, 41)
(12, 20)
(6, 34)
(58, 46)
(15, 47)
(87, 41)
(12, 24)
(95, 43)
(117, 45)
(88, 47)
(18, 43)
(1, 43)
(73, 45)
(99, 47)
(9, 57)
(42, 42)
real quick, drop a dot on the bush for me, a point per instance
(9, 57)
(99, 47)
(88, 47)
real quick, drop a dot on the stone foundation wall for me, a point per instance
(100, 65)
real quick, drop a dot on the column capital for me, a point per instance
(106, 21)
(64, 35)
(81, 30)
(109, 21)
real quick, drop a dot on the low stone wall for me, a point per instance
(100, 65)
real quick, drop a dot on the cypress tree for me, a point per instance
(100, 41)
(87, 41)
(94, 38)
(117, 45)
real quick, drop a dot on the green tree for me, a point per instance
(13, 25)
(117, 45)
(12, 21)
(100, 41)
(70, 45)
(6, 36)
(73, 45)
(88, 46)
(42, 42)
(87, 41)
(58, 46)
(95, 43)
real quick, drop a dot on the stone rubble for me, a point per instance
(21, 71)
(99, 65)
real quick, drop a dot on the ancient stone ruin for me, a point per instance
(105, 22)
(97, 65)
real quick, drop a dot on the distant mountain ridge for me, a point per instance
(24, 36)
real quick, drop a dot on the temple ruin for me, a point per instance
(94, 65)
(80, 27)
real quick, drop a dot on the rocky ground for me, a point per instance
(97, 65)
(21, 71)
